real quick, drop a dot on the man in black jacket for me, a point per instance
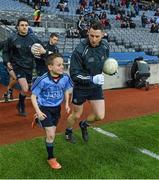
(51, 47)
(17, 56)
(86, 72)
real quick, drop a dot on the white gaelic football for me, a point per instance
(110, 66)
(34, 49)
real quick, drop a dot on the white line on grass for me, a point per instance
(144, 151)
(149, 153)
(12, 100)
(105, 132)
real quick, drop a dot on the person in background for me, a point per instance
(12, 78)
(140, 72)
(143, 20)
(51, 47)
(37, 16)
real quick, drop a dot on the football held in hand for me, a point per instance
(35, 49)
(110, 66)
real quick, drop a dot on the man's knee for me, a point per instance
(77, 115)
(25, 89)
(50, 138)
(100, 117)
(72, 118)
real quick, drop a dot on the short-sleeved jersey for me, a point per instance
(50, 92)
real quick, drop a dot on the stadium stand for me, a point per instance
(11, 5)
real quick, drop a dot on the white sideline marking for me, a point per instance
(105, 132)
(149, 153)
(144, 151)
(12, 100)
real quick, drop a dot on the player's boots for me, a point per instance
(21, 106)
(54, 164)
(83, 125)
(8, 95)
(5, 96)
(69, 136)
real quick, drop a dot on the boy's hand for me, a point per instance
(67, 107)
(41, 116)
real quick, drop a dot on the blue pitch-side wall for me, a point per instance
(126, 58)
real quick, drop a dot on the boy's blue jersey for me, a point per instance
(49, 92)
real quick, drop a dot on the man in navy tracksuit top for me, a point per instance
(17, 56)
(51, 48)
(86, 72)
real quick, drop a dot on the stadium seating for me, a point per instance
(13, 5)
(120, 40)
(139, 39)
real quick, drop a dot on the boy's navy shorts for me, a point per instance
(23, 73)
(53, 116)
(81, 95)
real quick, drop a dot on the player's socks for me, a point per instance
(21, 105)
(49, 148)
(83, 125)
(10, 93)
(69, 135)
